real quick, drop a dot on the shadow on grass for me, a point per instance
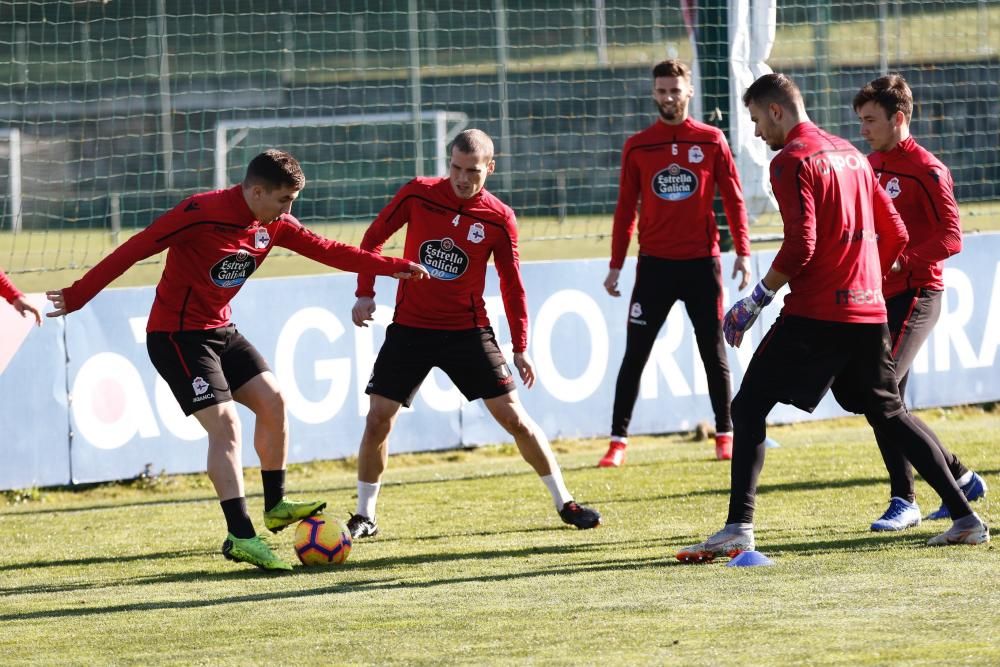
(246, 573)
(103, 560)
(805, 485)
(860, 544)
(359, 586)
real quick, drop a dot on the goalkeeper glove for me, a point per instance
(744, 312)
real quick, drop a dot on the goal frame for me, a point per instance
(12, 136)
(447, 125)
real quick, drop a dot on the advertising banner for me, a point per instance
(82, 402)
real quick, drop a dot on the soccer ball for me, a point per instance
(321, 541)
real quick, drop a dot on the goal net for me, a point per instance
(120, 107)
(352, 162)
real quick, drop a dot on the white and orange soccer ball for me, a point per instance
(322, 541)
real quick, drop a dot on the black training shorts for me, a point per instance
(470, 357)
(800, 359)
(203, 368)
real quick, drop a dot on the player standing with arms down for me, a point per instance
(922, 192)
(841, 235)
(670, 172)
(15, 298)
(453, 227)
(214, 242)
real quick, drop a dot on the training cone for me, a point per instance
(750, 559)
(771, 444)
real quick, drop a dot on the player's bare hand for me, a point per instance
(22, 306)
(742, 265)
(896, 267)
(524, 368)
(611, 282)
(58, 303)
(416, 272)
(363, 311)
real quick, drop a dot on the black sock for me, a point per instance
(237, 519)
(274, 487)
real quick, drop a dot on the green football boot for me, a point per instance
(288, 512)
(253, 550)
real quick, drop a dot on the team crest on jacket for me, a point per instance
(892, 187)
(443, 259)
(233, 270)
(261, 239)
(477, 233)
(695, 154)
(675, 183)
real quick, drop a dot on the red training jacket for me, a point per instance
(670, 173)
(213, 244)
(7, 289)
(922, 191)
(841, 231)
(454, 239)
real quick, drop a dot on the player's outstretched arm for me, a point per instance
(22, 306)
(58, 303)
(524, 368)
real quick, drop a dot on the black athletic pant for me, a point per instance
(912, 316)
(659, 284)
(801, 359)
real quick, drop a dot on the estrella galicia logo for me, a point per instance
(233, 271)
(443, 259)
(675, 183)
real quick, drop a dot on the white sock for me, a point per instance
(964, 479)
(619, 438)
(556, 486)
(367, 497)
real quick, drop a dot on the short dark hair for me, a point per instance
(889, 92)
(773, 88)
(473, 141)
(275, 169)
(672, 67)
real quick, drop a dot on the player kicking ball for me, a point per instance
(841, 236)
(214, 242)
(454, 227)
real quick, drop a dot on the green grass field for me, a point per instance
(474, 567)
(39, 261)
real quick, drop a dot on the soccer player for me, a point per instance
(453, 228)
(841, 236)
(670, 172)
(15, 298)
(214, 242)
(921, 190)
